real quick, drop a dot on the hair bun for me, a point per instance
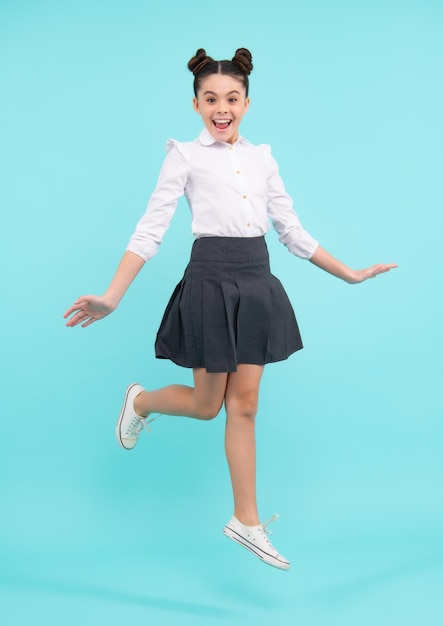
(243, 59)
(199, 61)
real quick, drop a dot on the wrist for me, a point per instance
(351, 276)
(112, 300)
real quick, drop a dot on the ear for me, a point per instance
(247, 103)
(196, 107)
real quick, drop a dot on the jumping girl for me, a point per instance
(229, 316)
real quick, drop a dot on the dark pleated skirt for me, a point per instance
(228, 309)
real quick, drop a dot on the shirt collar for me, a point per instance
(206, 139)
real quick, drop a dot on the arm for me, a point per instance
(143, 244)
(89, 309)
(322, 259)
(298, 241)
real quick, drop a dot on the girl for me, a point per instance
(229, 315)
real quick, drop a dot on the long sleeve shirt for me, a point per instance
(232, 191)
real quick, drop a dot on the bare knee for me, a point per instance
(245, 405)
(208, 411)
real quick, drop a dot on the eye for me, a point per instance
(210, 100)
(232, 99)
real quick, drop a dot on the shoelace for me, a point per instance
(266, 531)
(266, 524)
(137, 424)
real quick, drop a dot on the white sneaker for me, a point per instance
(255, 539)
(129, 424)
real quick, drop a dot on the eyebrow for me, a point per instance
(214, 94)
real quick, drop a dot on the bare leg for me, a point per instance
(203, 401)
(241, 401)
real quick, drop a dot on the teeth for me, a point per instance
(222, 121)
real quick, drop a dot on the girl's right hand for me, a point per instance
(88, 309)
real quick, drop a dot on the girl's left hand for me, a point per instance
(321, 258)
(359, 276)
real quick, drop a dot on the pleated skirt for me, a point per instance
(228, 309)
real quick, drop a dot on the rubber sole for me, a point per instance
(267, 558)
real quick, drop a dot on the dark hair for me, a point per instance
(201, 65)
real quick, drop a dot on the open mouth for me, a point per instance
(222, 124)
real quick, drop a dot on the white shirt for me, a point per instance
(232, 191)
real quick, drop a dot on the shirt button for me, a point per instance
(248, 224)
(244, 197)
(238, 172)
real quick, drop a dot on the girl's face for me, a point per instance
(222, 102)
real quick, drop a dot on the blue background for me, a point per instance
(349, 95)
